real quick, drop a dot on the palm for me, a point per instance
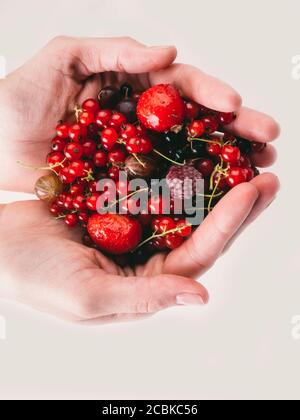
(31, 127)
(53, 271)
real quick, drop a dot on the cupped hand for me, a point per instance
(45, 266)
(52, 271)
(69, 70)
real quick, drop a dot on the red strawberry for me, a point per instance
(161, 108)
(114, 233)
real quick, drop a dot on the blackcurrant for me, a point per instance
(244, 145)
(109, 96)
(196, 149)
(128, 108)
(126, 90)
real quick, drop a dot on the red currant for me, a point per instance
(117, 155)
(62, 131)
(213, 149)
(226, 118)
(220, 179)
(184, 228)
(117, 120)
(89, 147)
(165, 224)
(71, 220)
(192, 110)
(88, 167)
(77, 189)
(109, 138)
(205, 167)
(77, 168)
(83, 217)
(91, 201)
(114, 173)
(244, 162)
(128, 131)
(77, 132)
(196, 128)
(211, 123)
(257, 146)
(249, 173)
(100, 159)
(235, 176)
(157, 205)
(61, 200)
(91, 105)
(73, 151)
(68, 202)
(173, 241)
(58, 144)
(55, 209)
(56, 158)
(141, 130)
(103, 117)
(230, 154)
(79, 202)
(159, 243)
(86, 118)
(141, 145)
(122, 188)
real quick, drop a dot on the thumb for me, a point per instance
(95, 55)
(144, 295)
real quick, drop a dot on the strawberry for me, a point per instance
(114, 233)
(161, 108)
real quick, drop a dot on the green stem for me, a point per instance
(213, 195)
(203, 140)
(158, 235)
(127, 196)
(170, 160)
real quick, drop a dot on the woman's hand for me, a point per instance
(44, 265)
(52, 271)
(69, 70)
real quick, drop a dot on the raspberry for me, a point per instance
(177, 181)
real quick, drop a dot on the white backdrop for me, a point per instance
(241, 345)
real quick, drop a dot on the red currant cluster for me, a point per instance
(146, 135)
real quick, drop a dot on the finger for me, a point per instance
(254, 125)
(88, 56)
(267, 186)
(114, 318)
(200, 87)
(135, 295)
(206, 244)
(264, 158)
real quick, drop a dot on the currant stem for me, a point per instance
(159, 235)
(213, 195)
(127, 196)
(139, 160)
(42, 168)
(191, 139)
(170, 160)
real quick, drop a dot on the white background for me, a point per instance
(241, 344)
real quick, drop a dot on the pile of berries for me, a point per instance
(153, 134)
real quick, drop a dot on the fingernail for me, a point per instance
(161, 47)
(189, 299)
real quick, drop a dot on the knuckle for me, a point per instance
(59, 39)
(128, 39)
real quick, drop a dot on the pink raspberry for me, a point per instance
(182, 181)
